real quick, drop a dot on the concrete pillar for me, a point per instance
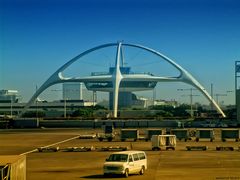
(81, 94)
(124, 99)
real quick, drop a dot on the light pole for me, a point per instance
(65, 107)
(217, 95)
(191, 98)
(229, 91)
(237, 104)
(154, 95)
(11, 107)
(37, 102)
(65, 103)
(94, 98)
(65, 99)
(212, 97)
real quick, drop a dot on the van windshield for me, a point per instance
(118, 157)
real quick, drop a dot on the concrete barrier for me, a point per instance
(120, 124)
(97, 124)
(131, 124)
(51, 123)
(163, 123)
(3, 124)
(82, 123)
(67, 123)
(155, 124)
(26, 123)
(142, 124)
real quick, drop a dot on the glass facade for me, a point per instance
(124, 85)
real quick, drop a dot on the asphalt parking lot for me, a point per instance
(178, 164)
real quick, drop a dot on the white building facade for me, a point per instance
(72, 91)
(7, 96)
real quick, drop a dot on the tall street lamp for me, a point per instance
(65, 107)
(191, 98)
(217, 95)
(229, 92)
(11, 106)
(65, 103)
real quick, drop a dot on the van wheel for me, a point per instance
(156, 148)
(142, 170)
(126, 173)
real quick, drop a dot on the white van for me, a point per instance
(126, 162)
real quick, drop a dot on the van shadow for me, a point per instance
(96, 176)
(101, 176)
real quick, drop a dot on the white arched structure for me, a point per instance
(117, 77)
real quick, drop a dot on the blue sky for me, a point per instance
(38, 36)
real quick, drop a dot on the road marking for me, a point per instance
(60, 142)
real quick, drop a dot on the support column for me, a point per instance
(116, 79)
(81, 91)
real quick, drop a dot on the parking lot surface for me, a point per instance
(178, 164)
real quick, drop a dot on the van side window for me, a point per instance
(135, 157)
(141, 156)
(130, 158)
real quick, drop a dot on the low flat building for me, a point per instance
(70, 105)
(8, 96)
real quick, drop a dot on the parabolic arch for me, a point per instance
(117, 77)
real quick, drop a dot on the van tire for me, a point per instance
(156, 148)
(126, 173)
(142, 171)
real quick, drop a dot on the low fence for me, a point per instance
(36, 123)
(115, 123)
(71, 123)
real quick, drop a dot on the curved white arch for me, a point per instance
(117, 77)
(185, 76)
(57, 77)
